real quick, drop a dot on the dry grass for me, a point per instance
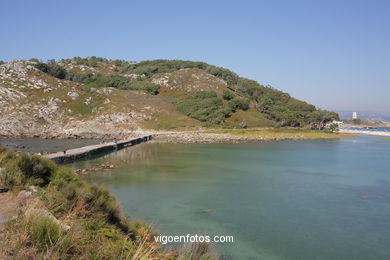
(196, 251)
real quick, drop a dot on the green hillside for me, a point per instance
(97, 94)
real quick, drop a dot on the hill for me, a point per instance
(97, 97)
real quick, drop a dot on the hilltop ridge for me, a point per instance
(97, 98)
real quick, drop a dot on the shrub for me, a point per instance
(26, 169)
(204, 106)
(52, 69)
(120, 63)
(227, 95)
(36, 170)
(233, 104)
(102, 202)
(243, 103)
(11, 176)
(97, 80)
(6, 156)
(62, 175)
(152, 88)
(43, 230)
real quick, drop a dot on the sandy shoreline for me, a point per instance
(378, 133)
(208, 137)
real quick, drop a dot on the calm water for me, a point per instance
(280, 200)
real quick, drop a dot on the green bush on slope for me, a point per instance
(97, 230)
(98, 80)
(204, 106)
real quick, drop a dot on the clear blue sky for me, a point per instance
(334, 54)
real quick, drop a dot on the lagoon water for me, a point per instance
(280, 200)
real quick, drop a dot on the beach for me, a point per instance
(365, 132)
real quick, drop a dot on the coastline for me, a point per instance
(244, 135)
(207, 136)
(376, 133)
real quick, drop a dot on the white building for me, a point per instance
(354, 115)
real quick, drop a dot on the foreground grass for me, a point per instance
(280, 133)
(66, 218)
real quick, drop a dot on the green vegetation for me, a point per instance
(204, 106)
(227, 95)
(52, 69)
(98, 80)
(149, 68)
(22, 170)
(93, 61)
(277, 105)
(239, 103)
(67, 218)
(44, 231)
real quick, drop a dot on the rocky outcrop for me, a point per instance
(33, 104)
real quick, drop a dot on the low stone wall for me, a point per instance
(87, 151)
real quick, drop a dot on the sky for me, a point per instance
(333, 54)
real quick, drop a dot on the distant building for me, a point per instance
(354, 115)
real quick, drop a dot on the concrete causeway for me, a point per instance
(84, 152)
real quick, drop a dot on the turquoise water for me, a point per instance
(280, 200)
